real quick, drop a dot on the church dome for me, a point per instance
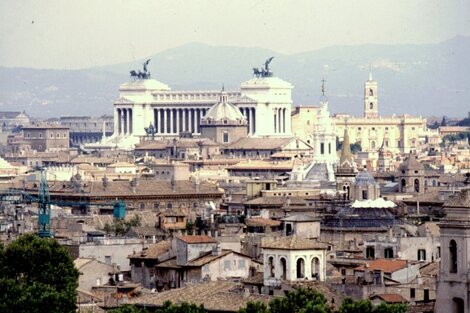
(411, 164)
(224, 110)
(364, 178)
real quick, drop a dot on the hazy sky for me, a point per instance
(85, 33)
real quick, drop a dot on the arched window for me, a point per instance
(403, 185)
(271, 266)
(300, 268)
(372, 144)
(283, 268)
(316, 268)
(371, 92)
(453, 256)
(416, 185)
(371, 106)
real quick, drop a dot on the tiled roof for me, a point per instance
(197, 239)
(249, 143)
(80, 262)
(301, 217)
(209, 257)
(390, 298)
(215, 296)
(384, 265)
(461, 200)
(262, 164)
(295, 243)
(259, 221)
(154, 251)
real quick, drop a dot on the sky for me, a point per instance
(62, 34)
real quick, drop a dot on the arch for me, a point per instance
(283, 268)
(300, 266)
(416, 184)
(403, 185)
(453, 256)
(316, 268)
(458, 305)
(372, 144)
(271, 266)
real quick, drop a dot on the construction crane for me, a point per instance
(44, 204)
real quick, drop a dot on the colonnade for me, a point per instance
(279, 115)
(124, 121)
(176, 120)
(250, 115)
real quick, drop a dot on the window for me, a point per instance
(388, 253)
(371, 92)
(40, 135)
(225, 139)
(412, 293)
(365, 195)
(169, 205)
(370, 253)
(142, 206)
(416, 185)
(28, 135)
(241, 264)
(107, 259)
(453, 256)
(329, 148)
(421, 255)
(156, 205)
(52, 135)
(271, 266)
(371, 106)
(300, 268)
(426, 295)
(57, 135)
(322, 148)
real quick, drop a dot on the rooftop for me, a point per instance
(197, 239)
(295, 243)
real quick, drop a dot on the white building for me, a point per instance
(264, 100)
(292, 259)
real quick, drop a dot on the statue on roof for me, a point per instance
(145, 74)
(263, 71)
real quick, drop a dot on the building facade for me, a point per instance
(265, 102)
(395, 133)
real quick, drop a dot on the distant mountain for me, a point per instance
(421, 79)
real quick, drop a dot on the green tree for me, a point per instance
(301, 300)
(254, 307)
(37, 275)
(167, 307)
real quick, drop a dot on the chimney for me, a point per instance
(105, 183)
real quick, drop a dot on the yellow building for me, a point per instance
(396, 133)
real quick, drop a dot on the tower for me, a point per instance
(411, 175)
(346, 170)
(453, 285)
(370, 98)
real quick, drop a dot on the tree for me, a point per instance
(301, 300)
(37, 275)
(168, 307)
(254, 307)
(120, 227)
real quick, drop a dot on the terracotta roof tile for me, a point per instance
(197, 239)
(390, 298)
(384, 265)
(153, 251)
(259, 221)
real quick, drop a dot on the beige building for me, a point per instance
(46, 137)
(395, 133)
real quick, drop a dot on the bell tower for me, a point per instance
(370, 98)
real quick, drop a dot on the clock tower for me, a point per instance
(370, 98)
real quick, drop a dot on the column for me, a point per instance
(164, 121)
(172, 124)
(116, 121)
(129, 117)
(124, 121)
(248, 118)
(279, 117)
(254, 120)
(178, 121)
(275, 120)
(284, 121)
(155, 121)
(183, 118)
